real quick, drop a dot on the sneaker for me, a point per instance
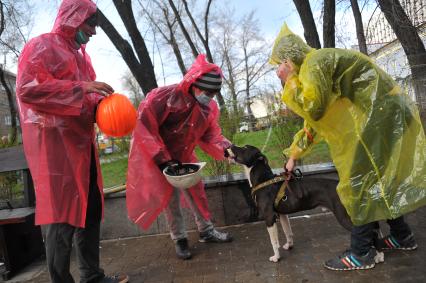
(350, 261)
(390, 243)
(214, 236)
(121, 278)
(182, 249)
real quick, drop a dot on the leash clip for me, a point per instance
(297, 174)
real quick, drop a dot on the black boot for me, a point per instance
(182, 250)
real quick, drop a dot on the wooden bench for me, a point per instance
(21, 241)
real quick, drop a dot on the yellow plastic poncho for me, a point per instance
(372, 127)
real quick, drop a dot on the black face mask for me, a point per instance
(81, 37)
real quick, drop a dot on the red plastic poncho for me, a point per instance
(170, 124)
(57, 117)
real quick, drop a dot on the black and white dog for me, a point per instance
(307, 193)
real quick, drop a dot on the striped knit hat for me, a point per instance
(211, 81)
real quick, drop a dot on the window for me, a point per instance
(8, 120)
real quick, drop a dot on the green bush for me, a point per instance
(11, 186)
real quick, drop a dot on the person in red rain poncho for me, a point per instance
(57, 97)
(172, 120)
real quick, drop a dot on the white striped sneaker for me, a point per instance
(350, 261)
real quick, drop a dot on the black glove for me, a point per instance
(172, 163)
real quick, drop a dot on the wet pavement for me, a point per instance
(317, 238)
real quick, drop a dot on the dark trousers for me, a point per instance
(59, 239)
(364, 236)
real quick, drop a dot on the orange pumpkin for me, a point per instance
(116, 116)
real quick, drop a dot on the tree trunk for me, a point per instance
(413, 47)
(359, 27)
(142, 70)
(231, 82)
(329, 33)
(310, 31)
(12, 108)
(251, 118)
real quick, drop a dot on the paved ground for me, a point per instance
(318, 238)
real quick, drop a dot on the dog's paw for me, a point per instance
(274, 258)
(288, 246)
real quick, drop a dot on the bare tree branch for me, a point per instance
(204, 39)
(171, 39)
(184, 31)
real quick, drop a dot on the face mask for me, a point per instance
(203, 99)
(81, 37)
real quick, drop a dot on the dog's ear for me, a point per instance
(266, 160)
(257, 157)
(260, 156)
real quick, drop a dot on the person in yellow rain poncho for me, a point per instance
(375, 137)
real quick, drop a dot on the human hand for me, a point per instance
(290, 164)
(229, 155)
(284, 70)
(98, 87)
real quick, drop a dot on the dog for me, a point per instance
(307, 193)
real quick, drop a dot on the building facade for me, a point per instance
(378, 30)
(5, 117)
(386, 50)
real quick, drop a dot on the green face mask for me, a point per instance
(81, 37)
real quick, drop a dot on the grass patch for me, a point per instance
(273, 150)
(114, 173)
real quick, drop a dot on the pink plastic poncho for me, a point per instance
(57, 117)
(170, 124)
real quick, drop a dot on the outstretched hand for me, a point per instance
(289, 166)
(98, 87)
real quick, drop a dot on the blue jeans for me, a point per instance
(364, 236)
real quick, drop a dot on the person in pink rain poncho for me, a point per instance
(172, 121)
(57, 96)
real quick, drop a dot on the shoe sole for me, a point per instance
(213, 241)
(378, 258)
(184, 257)
(350, 269)
(401, 248)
